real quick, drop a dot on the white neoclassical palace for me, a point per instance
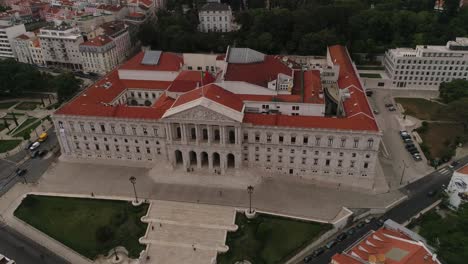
(298, 116)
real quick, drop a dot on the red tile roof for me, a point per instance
(167, 62)
(111, 8)
(259, 73)
(214, 93)
(23, 36)
(463, 170)
(189, 80)
(391, 246)
(143, 84)
(354, 123)
(97, 41)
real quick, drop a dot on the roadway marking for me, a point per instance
(444, 171)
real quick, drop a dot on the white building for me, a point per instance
(118, 31)
(27, 49)
(7, 35)
(99, 55)
(427, 66)
(216, 17)
(458, 187)
(257, 112)
(60, 46)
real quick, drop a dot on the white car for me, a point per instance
(34, 146)
(5, 260)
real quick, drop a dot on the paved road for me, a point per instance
(36, 167)
(25, 251)
(417, 201)
(12, 244)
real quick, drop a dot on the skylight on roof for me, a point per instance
(151, 57)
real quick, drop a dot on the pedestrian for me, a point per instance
(160, 225)
(152, 227)
(220, 193)
(92, 194)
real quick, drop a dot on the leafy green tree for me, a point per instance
(460, 107)
(451, 91)
(66, 85)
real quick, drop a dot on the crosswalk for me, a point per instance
(445, 171)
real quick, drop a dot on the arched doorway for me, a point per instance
(178, 157)
(193, 158)
(232, 137)
(204, 159)
(216, 160)
(231, 161)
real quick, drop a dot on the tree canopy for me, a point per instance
(454, 90)
(308, 26)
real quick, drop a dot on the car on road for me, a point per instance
(381, 221)
(431, 193)
(34, 154)
(454, 164)
(42, 153)
(319, 251)
(342, 236)
(21, 172)
(308, 259)
(34, 146)
(331, 244)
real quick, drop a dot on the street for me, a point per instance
(12, 244)
(23, 250)
(418, 200)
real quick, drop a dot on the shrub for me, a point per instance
(147, 103)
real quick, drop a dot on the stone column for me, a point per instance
(199, 158)
(222, 135)
(222, 163)
(237, 135)
(238, 160)
(169, 132)
(197, 134)
(208, 128)
(185, 160)
(210, 159)
(183, 133)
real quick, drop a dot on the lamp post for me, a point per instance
(403, 172)
(250, 190)
(133, 181)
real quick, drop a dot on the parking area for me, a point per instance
(399, 164)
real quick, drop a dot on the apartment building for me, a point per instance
(60, 46)
(257, 112)
(118, 31)
(216, 17)
(8, 33)
(426, 67)
(99, 55)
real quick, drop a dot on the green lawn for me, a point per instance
(7, 105)
(22, 130)
(88, 226)
(6, 145)
(448, 235)
(269, 239)
(28, 105)
(370, 68)
(424, 109)
(370, 75)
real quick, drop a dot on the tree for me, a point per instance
(451, 91)
(66, 86)
(460, 107)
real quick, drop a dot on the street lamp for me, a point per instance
(250, 190)
(403, 172)
(133, 181)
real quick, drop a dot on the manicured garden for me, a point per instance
(88, 226)
(269, 239)
(26, 127)
(447, 232)
(6, 105)
(28, 105)
(7, 145)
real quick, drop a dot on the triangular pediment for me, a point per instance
(200, 113)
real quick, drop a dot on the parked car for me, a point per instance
(341, 236)
(21, 172)
(408, 140)
(34, 146)
(351, 231)
(431, 193)
(454, 164)
(308, 259)
(360, 224)
(369, 93)
(389, 105)
(5, 260)
(318, 252)
(391, 109)
(376, 112)
(331, 244)
(381, 221)
(410, 146)
(417, 157)
(413, 151)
